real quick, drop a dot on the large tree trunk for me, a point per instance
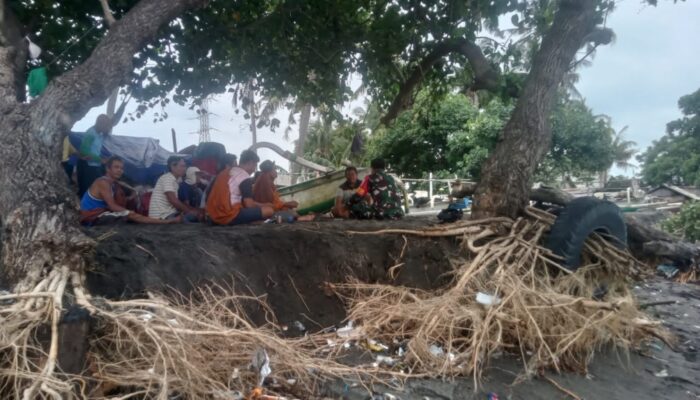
(301, 141)
(506, 177)
(38, 213)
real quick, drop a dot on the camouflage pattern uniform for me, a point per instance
(386, 202)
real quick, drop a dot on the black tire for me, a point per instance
(579, 219)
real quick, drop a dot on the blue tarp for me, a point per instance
(144, 160)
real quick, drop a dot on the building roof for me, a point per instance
(689, 192)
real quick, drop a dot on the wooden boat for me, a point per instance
(318, 195)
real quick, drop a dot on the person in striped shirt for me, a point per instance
(164, 202)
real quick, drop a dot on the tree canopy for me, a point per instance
(308, 49)
(675, 158)
(455, 136)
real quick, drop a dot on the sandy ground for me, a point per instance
(656, 372)
(288, 265)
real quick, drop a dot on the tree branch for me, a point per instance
(109, 17)
(506, 176)
(485, 76)
(70, 96)
(13, 55)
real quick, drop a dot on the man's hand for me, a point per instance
(291, 204)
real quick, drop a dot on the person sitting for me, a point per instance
(229, 161)
(164, 201)
(190, 190)
(104, 202)
(264, 192)
(225, 202)
(348, 203)
(380, 188)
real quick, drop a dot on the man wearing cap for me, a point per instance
(190, 189)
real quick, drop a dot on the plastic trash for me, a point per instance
(487, 299)
(299, 326)
(662, 374)
(34, 50)
(261, 365)
(347, 331)
(669, 271)
(491, 396)
(282, 217)
(7, 301)
(375, 346)
(386, 360)
(147, 316)
(436, 350)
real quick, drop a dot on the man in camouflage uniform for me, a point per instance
(381, 188)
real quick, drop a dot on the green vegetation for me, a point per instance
(675, 158)
(687, 222)
(454, 136)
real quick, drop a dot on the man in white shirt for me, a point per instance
(247, 164)
(164, 202)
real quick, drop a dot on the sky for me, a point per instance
(655, 59)
(636, 80)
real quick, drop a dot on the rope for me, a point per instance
(72, 45)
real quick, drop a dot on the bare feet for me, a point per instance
(306, 218)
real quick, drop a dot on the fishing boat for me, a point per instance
(317, 195)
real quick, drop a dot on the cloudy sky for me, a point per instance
(637, 81)
(655, 59)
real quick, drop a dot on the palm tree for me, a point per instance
(623, 151)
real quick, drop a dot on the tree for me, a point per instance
(470, 147)
(40, 238)
(675, 158)
(455, 136)
(581, 144)
(330, 143)
(622, 149)
(161, 49)
(417, 142)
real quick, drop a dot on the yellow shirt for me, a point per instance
(68, 149)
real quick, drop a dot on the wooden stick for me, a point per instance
(657, 303)
(563, 389)
(298, 294)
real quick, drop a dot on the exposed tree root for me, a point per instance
(550, 316)
(200, 347)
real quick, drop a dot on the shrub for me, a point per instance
(687, 222)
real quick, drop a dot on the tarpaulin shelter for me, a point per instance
(144, 159)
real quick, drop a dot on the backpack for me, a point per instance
(451, 214)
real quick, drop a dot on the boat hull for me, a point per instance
(317, 195)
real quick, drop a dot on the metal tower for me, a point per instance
(204, 129)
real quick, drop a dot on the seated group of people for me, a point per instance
(376, 196)
(237, 195)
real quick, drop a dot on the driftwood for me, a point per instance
(643, 238)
